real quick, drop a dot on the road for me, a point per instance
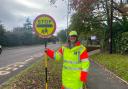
(13, 60)
(19, 54)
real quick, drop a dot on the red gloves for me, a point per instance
(50, 53)
(83, 76)
(62, 87)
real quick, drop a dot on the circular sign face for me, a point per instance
(44, 26)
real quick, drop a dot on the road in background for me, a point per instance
(15, 59)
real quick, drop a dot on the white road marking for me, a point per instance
(8, 68)
(14, 69)
(10, 65)
(28, 59)
(4, 72)
(21, 65)
(2, 68)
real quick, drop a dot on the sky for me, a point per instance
(13, 13)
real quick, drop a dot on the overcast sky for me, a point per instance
(13, 13)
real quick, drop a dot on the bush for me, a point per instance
(124, 43)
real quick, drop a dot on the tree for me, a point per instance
(94, 17)
(62, 36)
(27, 25)
(22, 35)
(2, 35)
(80, 5)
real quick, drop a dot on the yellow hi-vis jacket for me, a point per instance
(75, 65)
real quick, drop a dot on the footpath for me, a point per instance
(101, 78)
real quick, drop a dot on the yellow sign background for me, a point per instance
(44, 25)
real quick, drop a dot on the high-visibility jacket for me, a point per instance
(75, 65)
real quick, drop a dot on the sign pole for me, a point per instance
(44, 26)
(46, 65)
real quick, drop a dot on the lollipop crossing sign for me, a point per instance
(44, 26)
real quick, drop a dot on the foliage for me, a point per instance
(2, 35)
(21, 36)
(80, 5)
(119, 34)
(27, 25)
(124, 43)
(62, 36)
(87, 25)
(92, 17)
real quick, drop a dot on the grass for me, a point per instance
(115, 62)
(34, 77)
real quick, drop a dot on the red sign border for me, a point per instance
(34, 28)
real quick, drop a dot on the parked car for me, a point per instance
(0, 49)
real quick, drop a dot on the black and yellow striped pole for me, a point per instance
(46, 67)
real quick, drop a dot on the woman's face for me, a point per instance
(72, 39)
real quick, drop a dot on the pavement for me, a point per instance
(101, 78)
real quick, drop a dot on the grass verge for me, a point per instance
(114, 62)
(34, 77)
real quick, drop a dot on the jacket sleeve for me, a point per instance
(55, 55)
(84, 64)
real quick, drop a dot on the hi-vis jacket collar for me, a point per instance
(77, 43)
